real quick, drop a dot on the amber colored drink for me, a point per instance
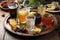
(22, 17)
(47, 21)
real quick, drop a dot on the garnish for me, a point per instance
(22, 26)
(49, 15)
(13, 23)
(43, 27)
(37, 30)
(34, 3)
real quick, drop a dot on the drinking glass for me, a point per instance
(47, 21)
(30, 22)
(42, 10)
(12, 5)
(22, 14)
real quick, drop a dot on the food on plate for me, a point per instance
(52, 7)
(13, 23)
(4, 4)
(22, 31)
(31, 14)
(43, 28)
(56, 9)
(37, 30)
(23, 26)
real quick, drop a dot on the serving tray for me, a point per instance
(8, 27)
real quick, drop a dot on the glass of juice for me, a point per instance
(22, 14)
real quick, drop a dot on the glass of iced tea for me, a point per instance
(22, 14)
(47, 20)
(12, 6)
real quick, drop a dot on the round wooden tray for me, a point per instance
(7, 26)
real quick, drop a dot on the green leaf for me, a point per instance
(31, 1)
(33, 33)
(22, 26)
(34, 3)
(49, 15)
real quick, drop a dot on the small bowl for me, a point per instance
(2, 7)
(54, 11)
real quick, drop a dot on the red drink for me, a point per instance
(47, 21)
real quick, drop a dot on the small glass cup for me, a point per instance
(42, 10)
(22, 14)
(30, 23)
(37, 19)
(47, 20)
(12, 5)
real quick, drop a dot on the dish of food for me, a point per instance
(43, 25)
(53, 7)
(4, 6)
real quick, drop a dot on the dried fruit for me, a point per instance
(4, 4)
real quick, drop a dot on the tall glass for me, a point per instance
(30, 23)
(22, 14)
(42, 10)
(12, 5)
(47, 21)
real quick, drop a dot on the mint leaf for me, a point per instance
(34, 3)
(22, 26)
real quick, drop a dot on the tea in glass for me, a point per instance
(22, 16)
(47, 21)
(37, 19)
(12, 5)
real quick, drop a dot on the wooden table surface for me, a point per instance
(5, 35)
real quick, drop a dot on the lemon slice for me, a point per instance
(37, 30)
(13, 23)
(31, 14)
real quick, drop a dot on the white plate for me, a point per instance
(54, 10)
